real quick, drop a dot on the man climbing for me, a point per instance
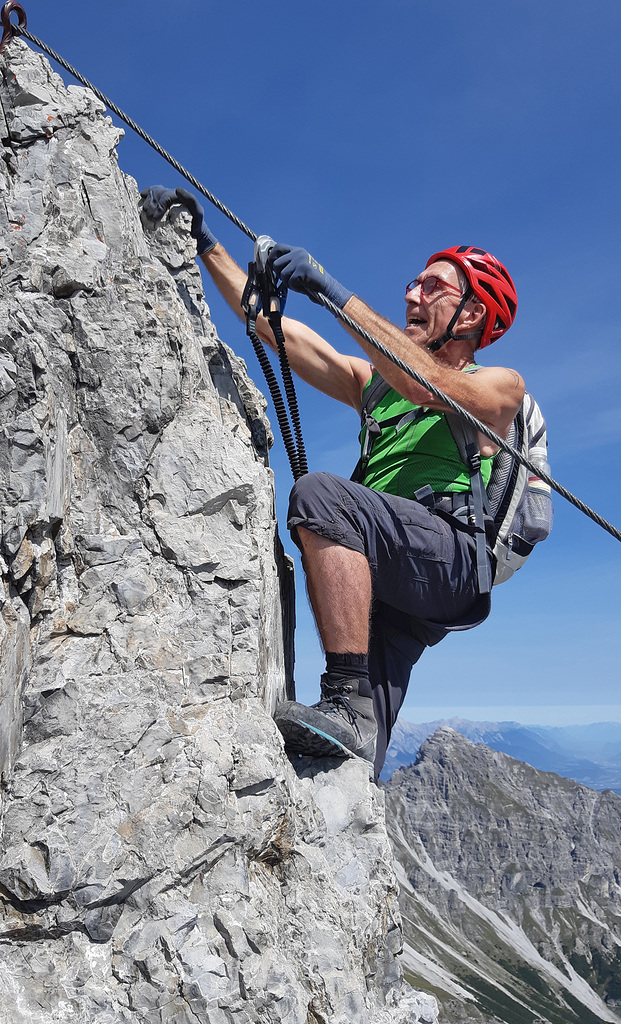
(390, 558)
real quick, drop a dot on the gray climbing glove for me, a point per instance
(297, 269)
(157, 200)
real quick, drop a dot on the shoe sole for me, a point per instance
(302, 738)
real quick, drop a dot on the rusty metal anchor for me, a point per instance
(9, 26)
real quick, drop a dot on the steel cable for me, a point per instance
(465, 415)
(322, 300)
(139, 131)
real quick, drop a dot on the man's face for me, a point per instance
(428, 316)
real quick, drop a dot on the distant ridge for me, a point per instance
(589, 754)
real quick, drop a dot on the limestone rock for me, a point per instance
(162, 860)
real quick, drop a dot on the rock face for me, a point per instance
(510, 887)
(162, 860)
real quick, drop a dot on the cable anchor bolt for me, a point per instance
(10, 29)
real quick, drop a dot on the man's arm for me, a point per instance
(311, 357)
(493, 395)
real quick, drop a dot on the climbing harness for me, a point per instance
(262, 292)
(10, 30)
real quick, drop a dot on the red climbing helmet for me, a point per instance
(490, 282)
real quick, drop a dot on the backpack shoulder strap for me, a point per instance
(466, 440)
(373, 394)
(465, 437)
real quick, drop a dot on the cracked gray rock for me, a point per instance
(162, 860)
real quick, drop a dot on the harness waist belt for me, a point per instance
(459, 510)
(453, 502)
(449, 501)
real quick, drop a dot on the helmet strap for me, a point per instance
(448, 334)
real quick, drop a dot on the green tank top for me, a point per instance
(415, 449)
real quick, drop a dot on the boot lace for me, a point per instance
(334, 701)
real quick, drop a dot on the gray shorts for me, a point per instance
(421, 566)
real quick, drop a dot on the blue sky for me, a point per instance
(376, 134)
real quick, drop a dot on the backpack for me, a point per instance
(518, 502)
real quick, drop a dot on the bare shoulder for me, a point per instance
(499, 394)
(501, 376)
(506, 383)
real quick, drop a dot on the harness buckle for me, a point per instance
(474, 457)
(426, 496)
(251, 296)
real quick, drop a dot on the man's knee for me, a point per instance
(309, 494)
(320, 503)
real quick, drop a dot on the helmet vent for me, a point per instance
(488, 288)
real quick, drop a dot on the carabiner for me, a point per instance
(251, 297)
(7, 24)
(273, 295)
(262, 248)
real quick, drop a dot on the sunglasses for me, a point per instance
(429, 284)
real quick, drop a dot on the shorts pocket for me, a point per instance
(427, 537)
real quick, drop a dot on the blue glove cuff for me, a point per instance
(205, 241)
(336, 292)
(297, 269)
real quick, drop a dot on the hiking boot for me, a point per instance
(341, 724)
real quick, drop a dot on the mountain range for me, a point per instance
(510, 887)
(589, 754)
